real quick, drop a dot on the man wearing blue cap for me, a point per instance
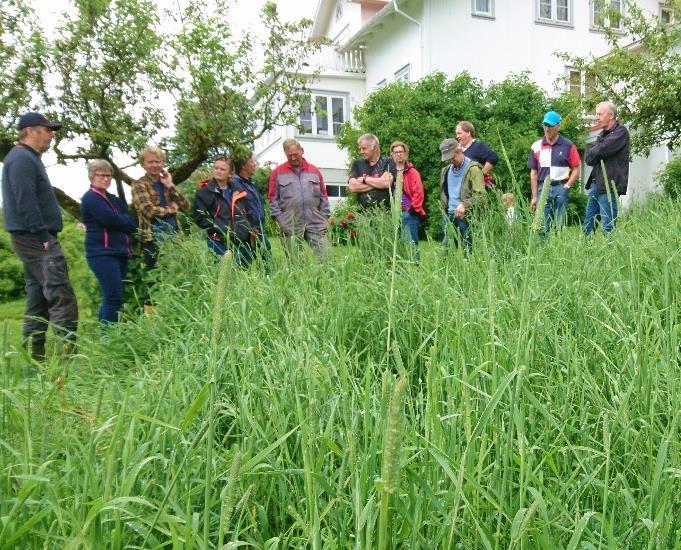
(556, 159)
(33, 220)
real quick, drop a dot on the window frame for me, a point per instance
(665, 7)
(585, 87)
(554, 21)
(312, 103)
(402, 72)
(475, 12)
(601, 28)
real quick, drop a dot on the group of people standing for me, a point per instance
(230, 209)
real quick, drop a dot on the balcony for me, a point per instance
(330, 59)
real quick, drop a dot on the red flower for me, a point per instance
(352, 234)
(343, 224)
(351, 216)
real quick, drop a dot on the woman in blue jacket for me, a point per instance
(107, 239)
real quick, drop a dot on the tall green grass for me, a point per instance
(526, 397)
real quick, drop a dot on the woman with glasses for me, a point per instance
(107, 239)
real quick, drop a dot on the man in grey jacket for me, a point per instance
(33, 219)
(298, 200)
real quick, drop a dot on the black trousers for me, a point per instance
(49, 294)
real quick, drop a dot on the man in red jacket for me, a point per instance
(412, 194)
(299, 202)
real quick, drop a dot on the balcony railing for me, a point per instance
(330, 59)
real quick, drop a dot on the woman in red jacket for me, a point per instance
(412, 195)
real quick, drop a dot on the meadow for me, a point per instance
(525, 397)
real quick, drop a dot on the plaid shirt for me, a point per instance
(147, 202)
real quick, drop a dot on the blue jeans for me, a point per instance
(110, 272)
(556, 207)
(411, 222)
(217, 247)
(245, 254)
(603, 205)
(463, 232)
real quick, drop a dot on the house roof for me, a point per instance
(371, 26)
(324, 12)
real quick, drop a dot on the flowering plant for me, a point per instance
(343, 225)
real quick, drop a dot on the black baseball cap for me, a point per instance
(36, 119)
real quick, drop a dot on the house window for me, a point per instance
(484, 8)
(581, 83)
(666, 14)
(607, 14)
(323, 115)
(558, 12)
(403, 74)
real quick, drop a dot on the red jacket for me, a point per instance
(413, 188)
(298, 199)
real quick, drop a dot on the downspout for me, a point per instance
(420, 26)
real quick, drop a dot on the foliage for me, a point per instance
(670, 178)
(21, 66)
(343, 224)
(642, 75)
(11, 270)
(128, 74)
(423, 113)
(537, 407)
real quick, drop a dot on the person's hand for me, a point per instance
(174, 206)
(46, 245)
(533, 204)
(460, 210)
(81, 226)
(167, 179)
(567, 186)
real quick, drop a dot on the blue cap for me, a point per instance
(36, 119)
(551, 118)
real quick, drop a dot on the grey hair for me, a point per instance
(369, 138)
(610, 106)
(98, 165)
(290, 142)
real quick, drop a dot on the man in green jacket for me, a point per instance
(462, 191)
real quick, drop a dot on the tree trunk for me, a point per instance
(67, 203)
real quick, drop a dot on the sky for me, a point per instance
(72, 178)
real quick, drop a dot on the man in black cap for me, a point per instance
(33, 219)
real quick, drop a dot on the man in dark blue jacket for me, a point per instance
(609, 177)
(33, 219)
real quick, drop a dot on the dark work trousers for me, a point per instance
(49, 295)
(110, 272)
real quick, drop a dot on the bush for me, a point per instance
(11, 271)
(343, 223)
(670, 178)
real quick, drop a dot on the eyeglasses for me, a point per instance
(103, 175)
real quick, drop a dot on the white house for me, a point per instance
(378, 42)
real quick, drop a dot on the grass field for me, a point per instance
(527, 397)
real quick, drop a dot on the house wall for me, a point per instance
(490, 49)
(393, 47)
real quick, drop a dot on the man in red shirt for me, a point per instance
(299, 202)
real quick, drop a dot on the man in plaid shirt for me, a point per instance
(157, 202)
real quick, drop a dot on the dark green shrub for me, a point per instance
(11, 271)
(670, 178)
